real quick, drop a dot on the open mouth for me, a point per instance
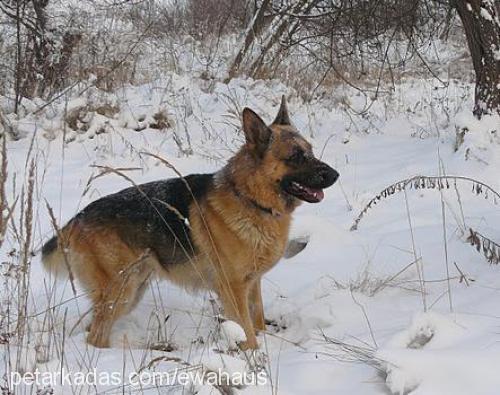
(302, 192)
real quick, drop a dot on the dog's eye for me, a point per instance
(297, 157)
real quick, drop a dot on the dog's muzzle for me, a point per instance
(326, 176)
(308, 185)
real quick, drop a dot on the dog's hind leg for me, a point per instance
(118, 298)
(111, 303)
(115, 275)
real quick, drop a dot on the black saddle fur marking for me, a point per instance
(150, 216)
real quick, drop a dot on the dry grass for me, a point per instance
(38, 326)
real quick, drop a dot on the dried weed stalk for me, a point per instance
(428, 182)
(490, 249)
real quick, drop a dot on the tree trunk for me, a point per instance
(289, 20)
(254, 28)
(480, 19)
(290, 11)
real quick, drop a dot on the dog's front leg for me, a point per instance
(257, 306)
(234, 298)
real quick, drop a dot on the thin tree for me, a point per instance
(480, 19)
(254, 28)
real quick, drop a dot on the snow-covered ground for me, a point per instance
(401, 305)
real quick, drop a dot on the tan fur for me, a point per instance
(236, 242)
(114, 275)
(55, 263)
(241, 246)
(228, 264)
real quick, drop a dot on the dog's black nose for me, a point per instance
(328, 175)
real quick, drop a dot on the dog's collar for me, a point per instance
(254, 203)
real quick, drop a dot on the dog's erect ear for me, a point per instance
(282, 118)
(257, 134)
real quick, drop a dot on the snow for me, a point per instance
(486, 15)
(435, 346)
(232, 333)
(359, 288)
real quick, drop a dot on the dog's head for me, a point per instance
(284, 159)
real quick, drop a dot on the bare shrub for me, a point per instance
(43, 51)
(198, 18)
(363, 35)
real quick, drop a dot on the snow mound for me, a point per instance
(442, 354)
(232, 334)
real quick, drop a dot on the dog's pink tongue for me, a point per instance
(316, 194)
(319, 195)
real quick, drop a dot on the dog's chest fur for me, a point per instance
(263, 239)
(244, 241)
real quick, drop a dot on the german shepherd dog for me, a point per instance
(218, 232)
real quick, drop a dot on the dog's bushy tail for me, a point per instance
(53, 257)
